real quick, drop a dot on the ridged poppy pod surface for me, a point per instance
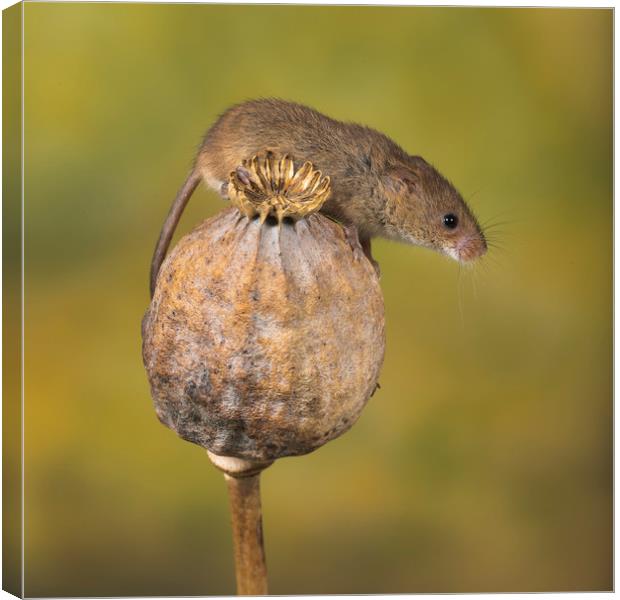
(265, 334)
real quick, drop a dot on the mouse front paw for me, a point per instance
(352, 237)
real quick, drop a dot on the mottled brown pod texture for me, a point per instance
(263, 340)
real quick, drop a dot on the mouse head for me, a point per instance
(424, 209)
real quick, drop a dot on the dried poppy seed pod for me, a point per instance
(264, 340)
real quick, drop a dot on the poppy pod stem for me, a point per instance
(247, 529)
(243, 480)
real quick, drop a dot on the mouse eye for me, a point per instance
(450, 221)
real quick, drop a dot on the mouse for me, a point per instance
(378, 189)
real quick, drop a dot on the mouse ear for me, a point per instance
(400, 180)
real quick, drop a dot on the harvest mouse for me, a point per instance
(378, 190)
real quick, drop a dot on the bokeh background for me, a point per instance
(484, 462)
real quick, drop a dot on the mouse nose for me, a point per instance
(470, 248)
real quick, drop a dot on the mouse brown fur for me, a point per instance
(378, 190)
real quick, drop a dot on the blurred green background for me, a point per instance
(484, 462)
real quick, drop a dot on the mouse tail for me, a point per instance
(170, 224)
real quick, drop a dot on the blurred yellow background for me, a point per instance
(484, 461)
